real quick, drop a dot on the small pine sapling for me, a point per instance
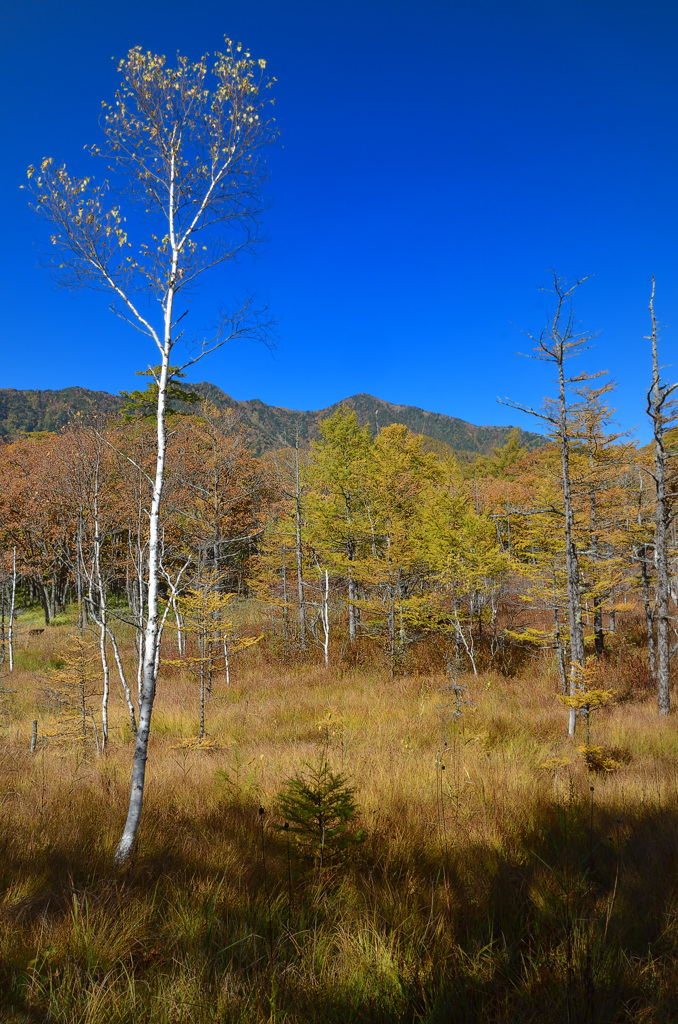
(320, 811)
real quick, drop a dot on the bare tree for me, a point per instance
(559, 341)
(186, 143)
(662, 412)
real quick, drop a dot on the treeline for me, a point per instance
(358, 540)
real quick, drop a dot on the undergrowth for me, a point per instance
(497, 879)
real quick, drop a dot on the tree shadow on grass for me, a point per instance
(574, 920)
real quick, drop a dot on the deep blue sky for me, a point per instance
(436, 159)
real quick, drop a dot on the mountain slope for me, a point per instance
(270, 426)
(273, 425)
(25, 411)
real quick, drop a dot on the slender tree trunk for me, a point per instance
(78, 570)
(123, 680)
(577, 652)
(210, 662)
(44, 601)
(128, 840)
(352, 610)
(180, 635)
(102, 606)
(286, 616)
(10, 632)
(201, 649)
(300, 576)
(598, 632)
(326, 619)
(649, 618)
(561, 654)
(599, 636)
(661, 604)
(392, 626)
(3, 645)
(656, 407)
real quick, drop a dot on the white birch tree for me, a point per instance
(186, 143)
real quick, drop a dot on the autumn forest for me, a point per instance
(354, 725)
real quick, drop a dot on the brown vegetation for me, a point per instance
(499, 880)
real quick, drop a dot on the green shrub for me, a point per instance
(320, 811)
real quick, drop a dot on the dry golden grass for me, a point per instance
(496, 889)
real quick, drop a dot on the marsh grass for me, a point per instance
(553, 897)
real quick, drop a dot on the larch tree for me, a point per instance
(396, 482)
(337, 467)
(186, 144)
(559, 341)
(601, 459)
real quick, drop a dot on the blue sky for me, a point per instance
(436, 160)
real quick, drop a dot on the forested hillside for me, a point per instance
(269, 426)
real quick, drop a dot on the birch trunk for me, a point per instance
(326, 619)
(352, 610)
(3, 651)
(128, 840)
(10, 631)
(102, 606)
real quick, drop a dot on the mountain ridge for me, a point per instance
(28, 411)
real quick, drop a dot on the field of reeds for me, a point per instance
(499, 877)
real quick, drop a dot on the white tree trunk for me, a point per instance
(10, 633)
(326, 619)
(102, 607)
(128, 840)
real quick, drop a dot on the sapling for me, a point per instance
(320, 811)
(586, 698)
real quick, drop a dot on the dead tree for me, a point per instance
(662, 412)
(559, 341)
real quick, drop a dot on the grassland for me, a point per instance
(492, 890)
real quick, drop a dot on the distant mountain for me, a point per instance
(23, 412)
(270, 426)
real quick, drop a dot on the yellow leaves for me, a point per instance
(590, 699)
(243, 642)
(331, 725)
(587, 695)
(538, 637)
(600, 760)
(196, 743)
(555, 764)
